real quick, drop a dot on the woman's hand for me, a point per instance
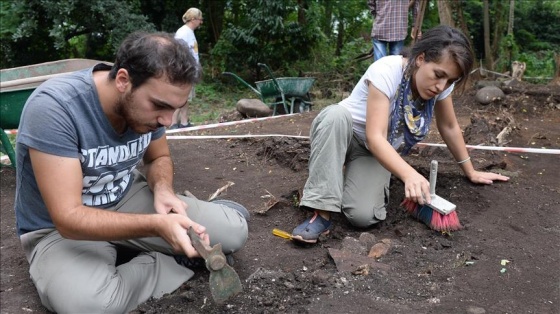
(480, 177)
(417, 189)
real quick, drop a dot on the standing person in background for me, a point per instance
(192, 19)
(390, 25)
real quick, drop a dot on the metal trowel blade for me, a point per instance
(224, 284)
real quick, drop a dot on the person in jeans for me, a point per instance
(390, 25)
(80, 198)
(357, 144)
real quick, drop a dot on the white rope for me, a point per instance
(203, 137)
(505, 149)
(498, 148)
(215, 125)
(207, 126)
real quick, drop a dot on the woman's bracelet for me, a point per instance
(464, 161)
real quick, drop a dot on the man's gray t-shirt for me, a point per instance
(64, 117)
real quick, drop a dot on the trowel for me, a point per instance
(224, 281)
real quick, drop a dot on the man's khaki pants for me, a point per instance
(81, 276)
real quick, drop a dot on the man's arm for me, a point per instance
(60, 183)
(372, 7)
(159, 174)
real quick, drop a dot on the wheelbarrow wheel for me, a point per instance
(279, 108)
(301, 107)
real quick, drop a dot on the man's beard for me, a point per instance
(124, 108)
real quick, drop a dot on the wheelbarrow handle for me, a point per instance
(242, 81)
(272, 77)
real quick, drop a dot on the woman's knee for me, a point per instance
(365, 218)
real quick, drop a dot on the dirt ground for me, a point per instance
(505, 260)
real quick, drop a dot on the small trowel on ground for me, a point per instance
(224, 281)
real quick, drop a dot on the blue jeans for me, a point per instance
(380, 48)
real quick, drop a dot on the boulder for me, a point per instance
(253, 108)
(489, 94)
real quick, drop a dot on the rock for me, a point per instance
(510, 84)
(352, 245)
(475, 310)
(349, 262)
(489, 94)
(367, 239)
(362, 270)
(320, 278)
(379, 249)
(482, 84)
(253, 108)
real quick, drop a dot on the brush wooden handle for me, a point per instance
(433, 177)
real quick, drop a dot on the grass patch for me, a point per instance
(215, 99)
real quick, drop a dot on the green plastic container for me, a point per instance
(17, 84)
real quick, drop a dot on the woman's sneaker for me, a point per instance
(310, 230)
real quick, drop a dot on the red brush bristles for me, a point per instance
(449, 222)
(432, 218)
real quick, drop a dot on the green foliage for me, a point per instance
(266, 34)
(537, 25)
(213, 99)
(540, 65)
(62, 29)
(508, 52)
(294, 37)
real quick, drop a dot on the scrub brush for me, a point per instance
(440, 214)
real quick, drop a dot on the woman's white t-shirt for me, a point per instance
(186, 34)
(386, 75)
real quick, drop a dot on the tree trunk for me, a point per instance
(499, 24)
(457, 7)
(511, 15)
(215, 18)
(328, 18)
(556, 79)
(302, 8)
(445, 13)
(487, 51)
(339, 38)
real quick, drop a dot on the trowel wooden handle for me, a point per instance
(213, 256)
(433, 176)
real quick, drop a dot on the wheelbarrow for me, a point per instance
(17, 84)
(290, 92)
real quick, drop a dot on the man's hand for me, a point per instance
(165, 202)
(416, 35)
(174, 228)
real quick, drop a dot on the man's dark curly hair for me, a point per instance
(146, 55)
